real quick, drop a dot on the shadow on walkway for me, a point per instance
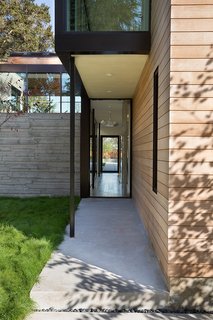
(110, 263)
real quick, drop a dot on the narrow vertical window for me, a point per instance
(155, 132)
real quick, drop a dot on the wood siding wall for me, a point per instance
(190, 217)
(34, 154)
(153, 207)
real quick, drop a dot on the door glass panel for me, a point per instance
(110, 154)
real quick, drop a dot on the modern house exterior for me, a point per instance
(156, 57)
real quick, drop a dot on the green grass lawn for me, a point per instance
(29, 231)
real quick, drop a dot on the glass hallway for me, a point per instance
(110, 148)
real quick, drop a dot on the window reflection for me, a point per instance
(12, 92)
(44, 92)
(65, 104)
(110, 15)
(65, 84)
(36, 92)
(77, 104)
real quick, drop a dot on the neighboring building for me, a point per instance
(35, 127)
(150, 83)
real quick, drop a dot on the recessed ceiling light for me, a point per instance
(109, 91)
(109, 74)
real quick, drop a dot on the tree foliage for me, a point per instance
(24, 26)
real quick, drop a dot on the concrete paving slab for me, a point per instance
(69, 283)
(109, 264)
(110, 235)
(116, 316)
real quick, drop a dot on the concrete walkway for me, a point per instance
(110, 264)
(110, 235)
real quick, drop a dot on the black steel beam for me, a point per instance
(103, 42)
(72, 147)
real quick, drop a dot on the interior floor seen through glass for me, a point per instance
(108, 185)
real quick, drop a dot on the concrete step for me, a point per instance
(115, 316)
(69, 283)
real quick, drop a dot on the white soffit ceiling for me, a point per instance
(110, 76)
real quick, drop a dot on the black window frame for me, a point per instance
(155, 131)
(37, 69)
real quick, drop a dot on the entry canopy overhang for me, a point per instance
(118, 44)
(78, 31)
(110, 76)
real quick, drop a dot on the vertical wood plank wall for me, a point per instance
(34, 154)
(190, 217)
(153, 207)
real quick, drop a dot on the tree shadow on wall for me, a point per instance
(191, 189)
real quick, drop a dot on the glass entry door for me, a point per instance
(110, 154)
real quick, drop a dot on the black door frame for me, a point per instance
(94, 149)
(85, 142)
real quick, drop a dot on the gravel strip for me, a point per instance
(162, 311)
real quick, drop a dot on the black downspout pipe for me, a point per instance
(72, 147)
(93, 149)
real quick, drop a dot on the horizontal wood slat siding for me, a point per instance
(191, 140)
(35, 155)
(153, 207)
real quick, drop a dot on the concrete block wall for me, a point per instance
(35, 155)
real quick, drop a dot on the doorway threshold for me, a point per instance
(109, 185)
